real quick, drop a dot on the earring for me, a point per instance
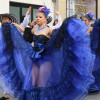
(44, 24)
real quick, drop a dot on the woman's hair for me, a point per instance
(55, 21)
(21, 19)
(89, 16)
(49, 19)
(7, 17)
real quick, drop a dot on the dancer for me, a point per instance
(4, 18)
(95, 46)
(88, 18)
(56, 68)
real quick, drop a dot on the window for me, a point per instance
(19, 9)
(81, 7)
(70, 8)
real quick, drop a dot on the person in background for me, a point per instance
(55, 22)
(88, 18)
(95, 47)
(93, 31)
(32, 23)
(6, 18)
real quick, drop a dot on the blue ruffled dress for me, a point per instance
(54, 69)
(95, 46)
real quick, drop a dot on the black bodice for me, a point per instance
(39, 41)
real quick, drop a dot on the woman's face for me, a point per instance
(5, 19)
(56, 22)
(40, 19)
(87, 22)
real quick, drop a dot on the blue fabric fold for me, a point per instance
(10, 84)
(95, 46)
(37, 54)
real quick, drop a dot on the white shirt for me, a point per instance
(25, 22)
(59, 23)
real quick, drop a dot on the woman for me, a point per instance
(6, 18)
(95, 46)
(55, 68)
(88, 18)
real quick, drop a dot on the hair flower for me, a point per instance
(90, 15)
(45, 10)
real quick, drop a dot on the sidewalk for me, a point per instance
(1, 94)
(93, 96)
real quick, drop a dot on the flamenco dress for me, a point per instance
(95, 46)
(64, 61)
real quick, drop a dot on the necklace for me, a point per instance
(40, 29)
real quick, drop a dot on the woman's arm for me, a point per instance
(59, 20)
(19, 27)
(28, 36)
(26, 18)
(51, 30)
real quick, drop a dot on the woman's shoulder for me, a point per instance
(50, 30)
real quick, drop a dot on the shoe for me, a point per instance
(4, 98)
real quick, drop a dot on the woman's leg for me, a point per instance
(35, 72)
(44, 74)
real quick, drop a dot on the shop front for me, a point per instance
(81, 7)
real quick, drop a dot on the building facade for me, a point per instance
(19, 7)
(60, 5)
(98, 8)
(69, 8)
(81, 7)
(66, 7)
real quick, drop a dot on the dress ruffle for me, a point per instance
(95, 46)
(9, 78)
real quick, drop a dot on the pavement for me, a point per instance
(92, 96)
(2, 93)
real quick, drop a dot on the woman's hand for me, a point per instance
(32, 23)
(19, 27)
(57, 12)
(29, 10)
(14, 24)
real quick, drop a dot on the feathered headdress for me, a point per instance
(45, 10)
